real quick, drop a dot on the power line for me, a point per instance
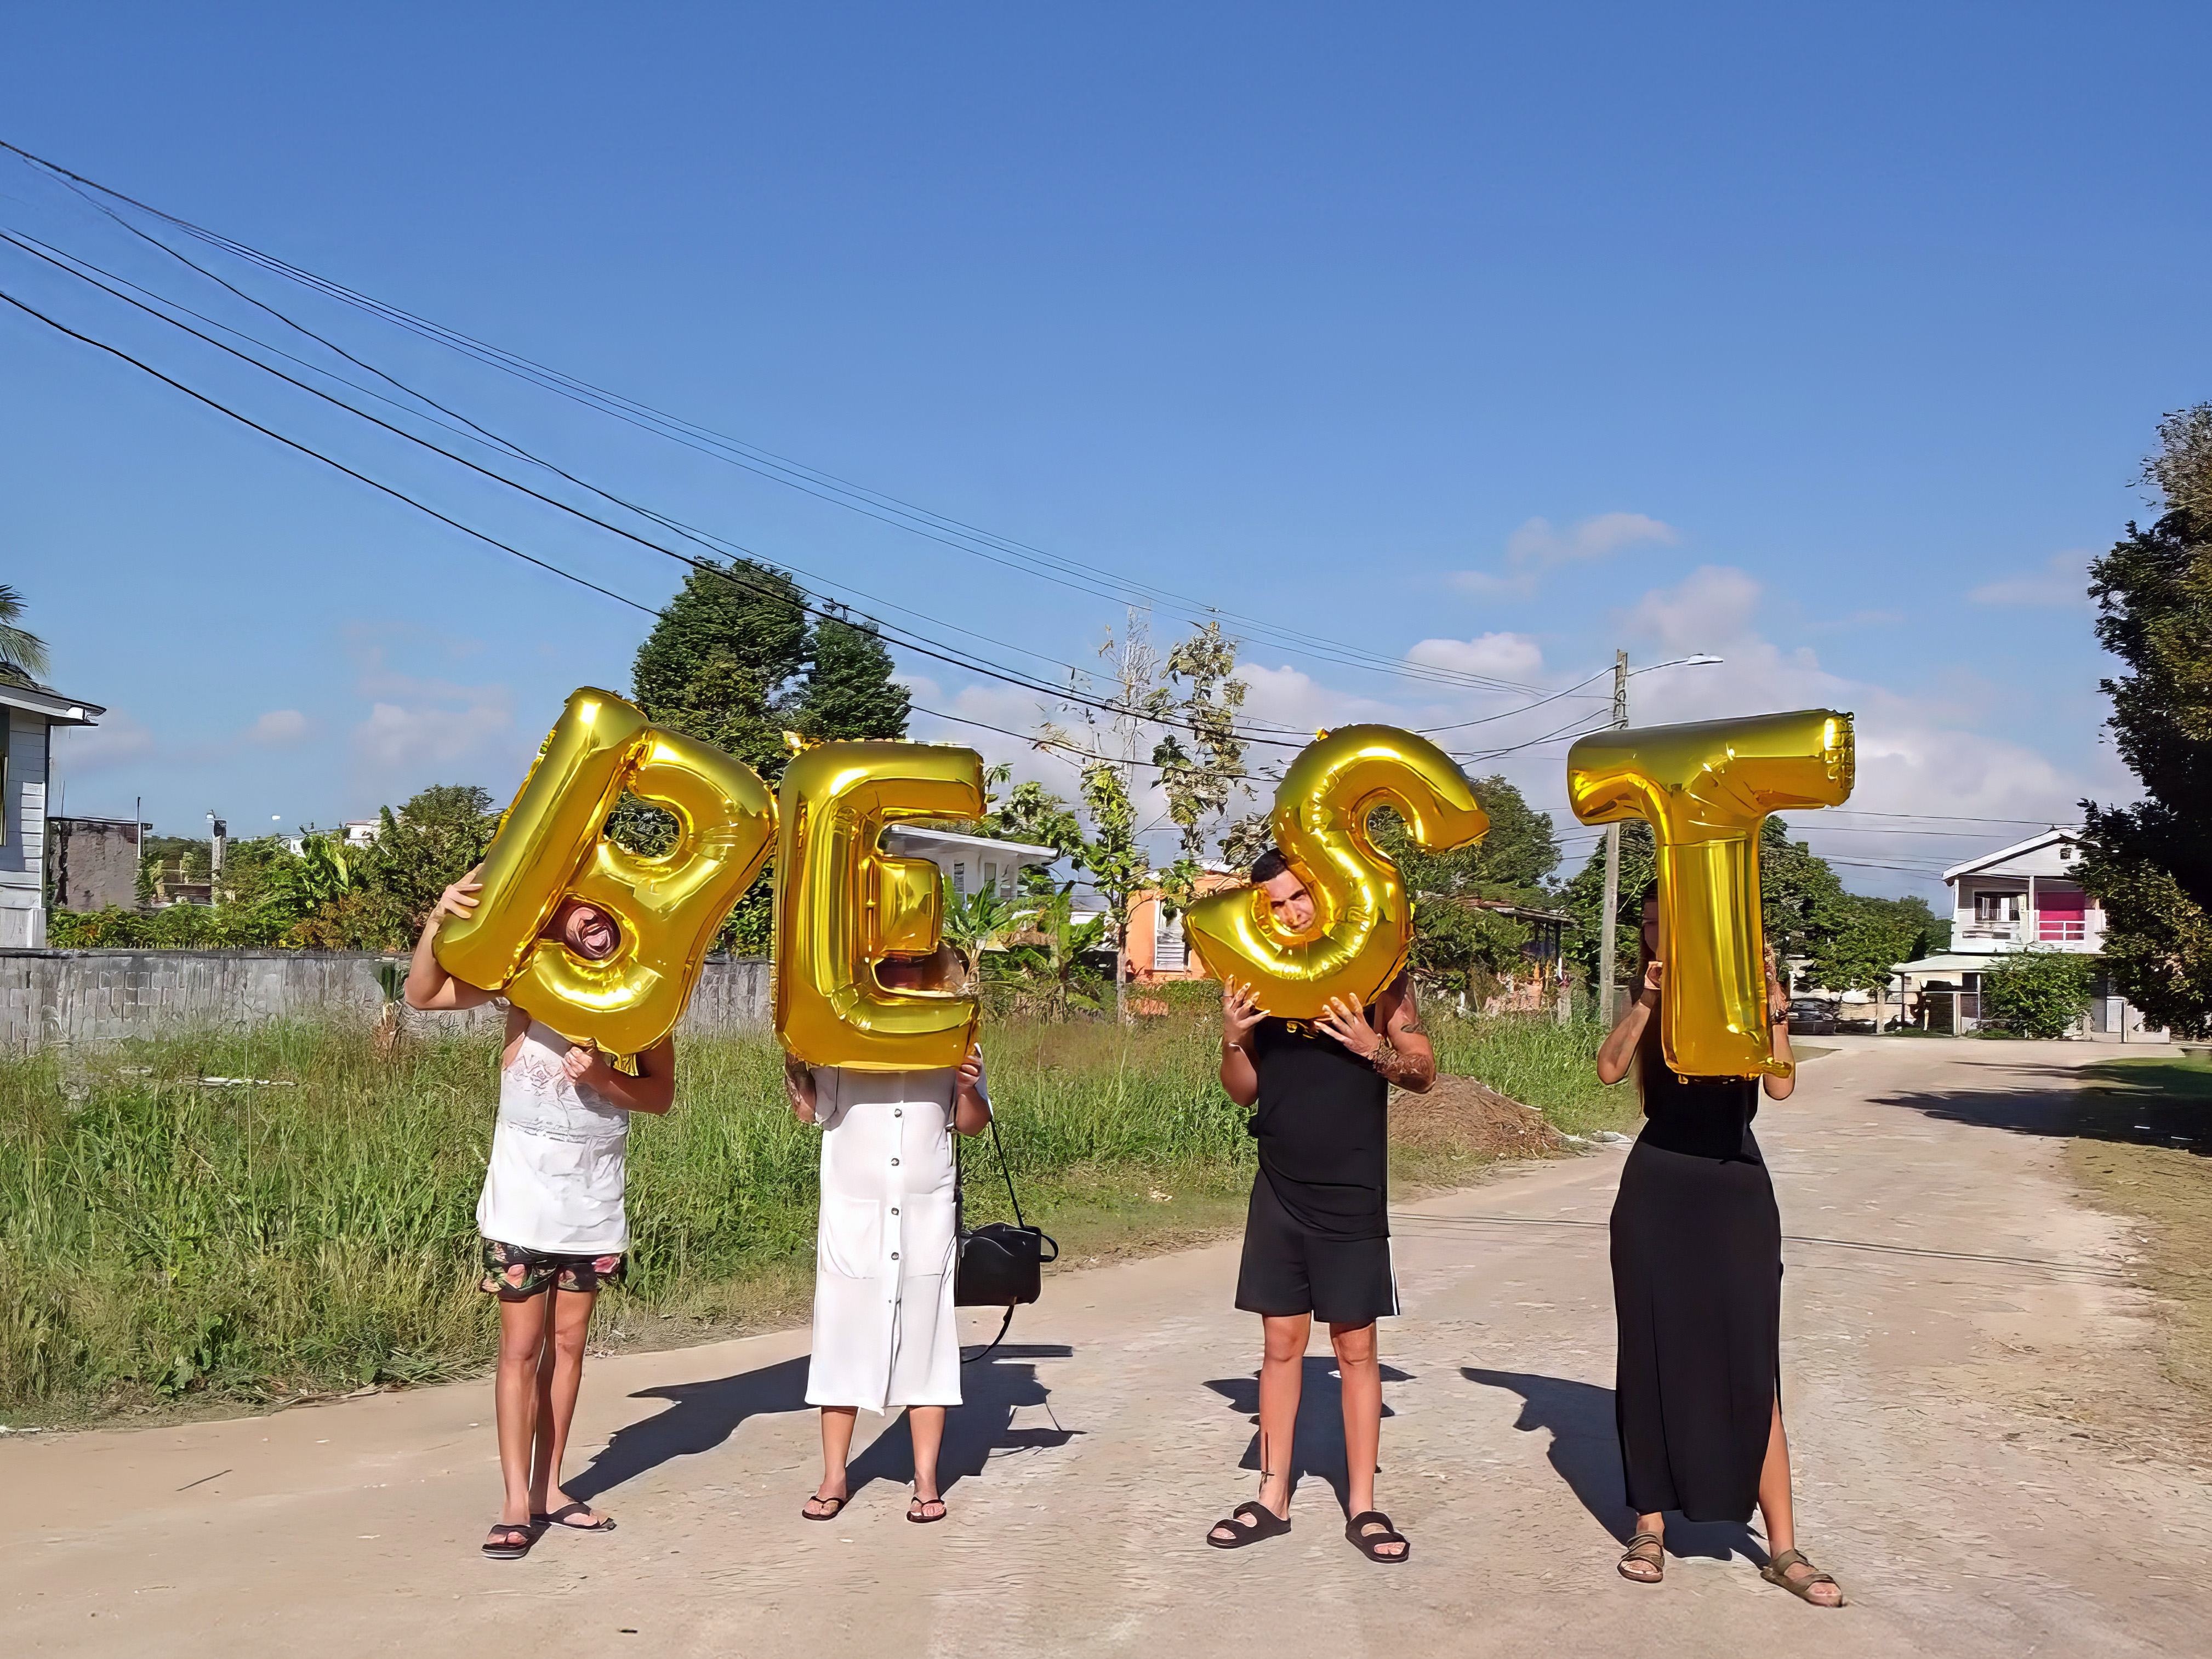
(811, 481)
(704, 568)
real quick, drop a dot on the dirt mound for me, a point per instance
(1464, 1115)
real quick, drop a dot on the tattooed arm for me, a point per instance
(1400, 1052)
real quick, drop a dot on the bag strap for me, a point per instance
(1006, 1170)
(1005, 1325)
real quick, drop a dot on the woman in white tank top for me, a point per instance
(552, 1214)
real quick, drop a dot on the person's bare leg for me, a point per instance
(559, 1375)
(1360, 1373)
(1774, 1506)
(514, 1400)
(837, 1425)
(926, 1425)
(1282, 1372)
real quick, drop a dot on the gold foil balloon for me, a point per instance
(1705, 789)
(1362, 925)
(552, 846)
(842, 905)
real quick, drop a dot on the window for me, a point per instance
(1997, 907)
(960, 881)
(1170, 951)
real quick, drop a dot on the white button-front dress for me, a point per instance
(885, 1333)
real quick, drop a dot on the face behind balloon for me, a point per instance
(1357, 928)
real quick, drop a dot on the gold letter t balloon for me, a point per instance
(1705, 789)
(552, 845)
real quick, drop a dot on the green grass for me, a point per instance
(162, 1239)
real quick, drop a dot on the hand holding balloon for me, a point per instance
(1344, 1021)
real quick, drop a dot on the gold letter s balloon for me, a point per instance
(1705, 789)
(552, 846)
(1363, 925)
(842, 905)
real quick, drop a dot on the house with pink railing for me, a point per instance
(2025, 896)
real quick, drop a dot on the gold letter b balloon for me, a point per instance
(552, 845)
(1705, 789)
(1363, 926)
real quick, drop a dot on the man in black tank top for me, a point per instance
(1317, 1236)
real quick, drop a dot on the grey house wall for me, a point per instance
(87, 996)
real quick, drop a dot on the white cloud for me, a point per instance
(1500, 656)
(1537, 546)
(117, 740)
(1711, 606)
(279, 728)
(416, 727)
(2063, 582)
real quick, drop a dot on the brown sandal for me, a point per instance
(1777, 1572)
(1645, 1549)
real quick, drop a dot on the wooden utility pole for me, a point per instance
(1606, 961)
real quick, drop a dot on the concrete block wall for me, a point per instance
(91, 996)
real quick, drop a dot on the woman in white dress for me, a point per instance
(884, 1332)
(552, 1214)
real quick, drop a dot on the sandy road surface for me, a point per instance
(1964, 1369)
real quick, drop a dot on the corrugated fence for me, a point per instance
(89, 996)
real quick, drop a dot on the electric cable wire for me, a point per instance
(1066, 695)
(1010, 553)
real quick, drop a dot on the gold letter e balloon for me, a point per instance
(552, 845)
(1362, 925)
(1705, 789)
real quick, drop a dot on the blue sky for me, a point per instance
(1825, 339)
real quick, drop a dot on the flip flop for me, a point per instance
(1369, 1542)
(560, 1518)
(830, 1514)
(509, 1552)
(1250, 1521)
(923, 1504)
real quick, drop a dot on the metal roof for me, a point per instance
(57, 709)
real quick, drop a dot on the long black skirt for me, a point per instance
(1697, 1290)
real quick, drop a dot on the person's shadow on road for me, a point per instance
(1585, 1451)
(705, 1414)
(1317, 1435)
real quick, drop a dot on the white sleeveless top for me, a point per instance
(555, 1181)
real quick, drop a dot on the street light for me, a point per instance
(1608, 923)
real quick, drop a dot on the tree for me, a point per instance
(980, 922)
(1513, 861)
(720, 661)
(2038, 991)
(24, 655)
(2149, 866)
(849, 691)
(1200, 778)
(1803, 903)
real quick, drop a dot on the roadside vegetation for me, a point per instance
(2144, 1148)
(244, 1218)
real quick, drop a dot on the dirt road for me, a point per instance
(1966, 1371)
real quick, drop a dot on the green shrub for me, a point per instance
(2037, 992)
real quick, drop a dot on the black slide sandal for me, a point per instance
(1368, 1541)
(1251, 1522)
(495, 1551)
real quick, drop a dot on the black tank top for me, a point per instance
(1702, 1116)
(1322, 1125)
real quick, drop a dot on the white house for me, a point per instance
(971, 863)
(2024, 896)
(26, 744)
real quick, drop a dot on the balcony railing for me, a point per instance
(2062, 930)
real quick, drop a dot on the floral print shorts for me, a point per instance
(514, 1275)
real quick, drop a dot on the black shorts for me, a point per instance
(1290, 1270)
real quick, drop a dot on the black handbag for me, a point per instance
(999, 1266)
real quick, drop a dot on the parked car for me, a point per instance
(1810, 1017)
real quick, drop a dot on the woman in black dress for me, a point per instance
(1697, 1288)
